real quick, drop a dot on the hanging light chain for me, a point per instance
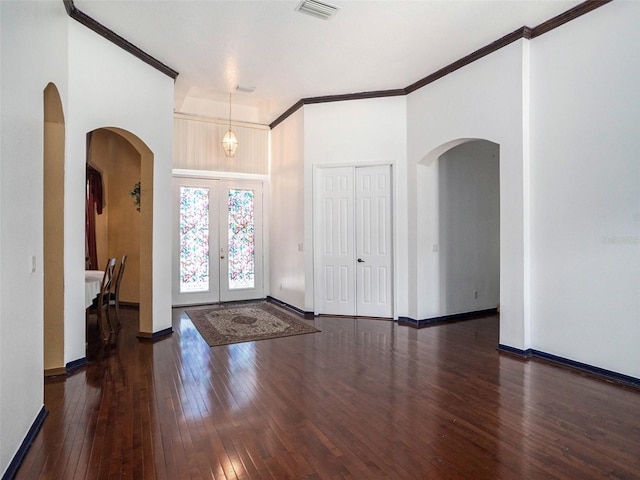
(230, 142)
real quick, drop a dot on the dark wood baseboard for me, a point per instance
(11, 471)
(133, 305)
(456, 317)
(299, 311)
(592, 370)
(515, 351)
(81, 362)
(159, 335)
(55, 372)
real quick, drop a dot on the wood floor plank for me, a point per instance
(362, 399)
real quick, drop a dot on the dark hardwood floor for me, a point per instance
(363, 399)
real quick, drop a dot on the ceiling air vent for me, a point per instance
(318, 9)
(245, 88)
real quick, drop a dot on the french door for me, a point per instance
(217, 254)
(352, 234)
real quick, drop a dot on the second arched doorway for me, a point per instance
(125, 225)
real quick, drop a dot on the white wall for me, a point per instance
(585, 189)
(483, 100)
(100, 85)
(287, 274)
(33, 41)
(197, 145)
(358, 132)
(469, 227)
(108, 87)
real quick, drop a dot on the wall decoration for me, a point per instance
(135, 193)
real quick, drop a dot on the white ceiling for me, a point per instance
(367, 46)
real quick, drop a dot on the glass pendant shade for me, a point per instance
(229, 141)
(230, 144)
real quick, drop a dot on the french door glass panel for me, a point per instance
(194, 239)
(241, 243)
(241, 236)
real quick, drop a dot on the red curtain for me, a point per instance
(93, 205)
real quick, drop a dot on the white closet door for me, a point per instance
(335, 241)
(352, 232)
(373, 242)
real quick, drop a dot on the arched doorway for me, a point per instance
(469, 226)
(126, 164)
(459, 223)
(53, 232)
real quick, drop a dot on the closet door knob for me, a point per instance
(360, 260)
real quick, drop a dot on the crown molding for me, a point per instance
(116, 39)
(523, 32)
(571, 14)
(336, 98)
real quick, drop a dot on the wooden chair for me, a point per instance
(103, 299)
(114, 297)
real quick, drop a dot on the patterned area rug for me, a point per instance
(246, 323)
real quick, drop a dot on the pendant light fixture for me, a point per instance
(230, 142)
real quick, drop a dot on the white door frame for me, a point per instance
(218, 214)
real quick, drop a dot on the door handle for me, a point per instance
(221, 257)
(360, 260)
